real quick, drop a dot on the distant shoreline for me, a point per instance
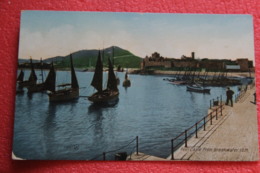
(158, 72)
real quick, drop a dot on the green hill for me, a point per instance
(88, 58)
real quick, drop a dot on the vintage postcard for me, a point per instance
(135, 86)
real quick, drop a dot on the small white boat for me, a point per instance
(197, 88)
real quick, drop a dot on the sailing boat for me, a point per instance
(32, 78)
(20, 77)
(44, 85)
(111, 92)
(127, 82)
(64, 94)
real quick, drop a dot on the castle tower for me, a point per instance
(192, 55)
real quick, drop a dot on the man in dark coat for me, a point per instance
(229, 94)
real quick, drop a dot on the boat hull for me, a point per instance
(104, 97)
(64, 95)
(36, 88)
(26, 84)
(199, 90)
(19, 91)
(126, 83)
(179, 82)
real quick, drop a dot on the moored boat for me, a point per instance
(20, 77)
(32, 78)
(127, 82)
(197, 88)
(64, 94)
(19, 89)
(39, 87)
(111, 92)
(179, 82)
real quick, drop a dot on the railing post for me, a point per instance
(221, 99)
(196, 130)
(186, 145)
(217, 114)
(137, 145)
(172, 150)
(210, 104)
(104, 155)
(221, 107)
(210, 118)
(204, 123)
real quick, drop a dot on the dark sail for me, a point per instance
(97, 80)
(33, 76)
(74, 81)
(112, 82)
(20, 77)
(50, 81)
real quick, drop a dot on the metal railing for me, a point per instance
(188, 133)
(213, 102)
(243, 90)
(104, 154)
(216, 106)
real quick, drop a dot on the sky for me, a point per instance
(45, 34)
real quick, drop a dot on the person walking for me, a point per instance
(229, 95)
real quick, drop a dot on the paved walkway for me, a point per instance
(142, 157)
(233, 137)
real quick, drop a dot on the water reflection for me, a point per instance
(49, 133)
(96, 107)
(126, 88)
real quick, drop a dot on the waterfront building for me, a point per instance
(190, 62)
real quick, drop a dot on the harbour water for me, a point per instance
(152, 109)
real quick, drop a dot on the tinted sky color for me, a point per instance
(50, 33)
